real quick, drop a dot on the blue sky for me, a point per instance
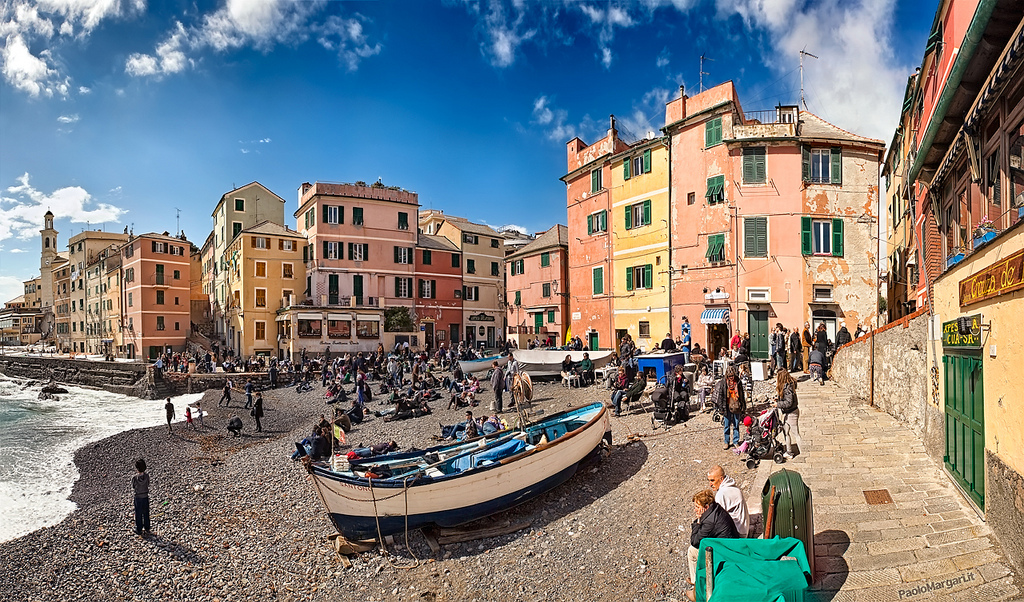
(119, 112)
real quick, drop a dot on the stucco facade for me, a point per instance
(155, 288)
(84, 250)
(537, 279)
(438, 290)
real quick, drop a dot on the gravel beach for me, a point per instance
(236, 519)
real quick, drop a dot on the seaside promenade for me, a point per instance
(928, 544)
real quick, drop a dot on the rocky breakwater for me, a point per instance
(116, 377)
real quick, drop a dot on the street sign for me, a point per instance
(962, 333)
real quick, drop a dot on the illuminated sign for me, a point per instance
(997, 279)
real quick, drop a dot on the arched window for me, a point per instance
(46, 242)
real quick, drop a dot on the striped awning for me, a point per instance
(284, 318)
(714, 316)
(311, 316)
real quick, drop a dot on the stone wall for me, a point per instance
(901, 374)
(117, 377)
(1004, 507)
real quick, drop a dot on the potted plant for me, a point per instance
(984, 231)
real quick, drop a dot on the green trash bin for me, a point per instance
(793, 514)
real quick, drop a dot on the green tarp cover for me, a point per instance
(752, 570)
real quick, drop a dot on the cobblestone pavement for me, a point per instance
(926, 545)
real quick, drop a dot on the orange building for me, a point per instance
(438, 290)
(156, 296)
(537, 284)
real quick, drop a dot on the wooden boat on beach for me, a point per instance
(455, 484)
(548, 362)
(482, 364)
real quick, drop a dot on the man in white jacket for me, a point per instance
(730, 496)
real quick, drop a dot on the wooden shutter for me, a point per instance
(598, 277)
(590, 224)
(519, 298)
(748, 166)
(396, 254)
(366, 252)
(625, 168)
(805, 163)
(326, 220)
(749, 229)
(837, 237)
(761, 234)
(595, 182)
(648, 276)
(280, 244)
(456, 260)
(325, 250)
(341, 214)
(629, 216)
(629, 279)
(647, 161)
(604, 220)
(433, 289)
(351, 251)
(476, 293)
(709, 130)
(837, 165)
(305, 254)
(647, 213)
(806, 237)
(398, 290)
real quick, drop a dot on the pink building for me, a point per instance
(155, 294)
(438, 290)
(538, 293)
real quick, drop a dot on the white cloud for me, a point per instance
(26, 71)
(646, 115)
(606, 20)
(83, 90)
(17, 251)
(21, 214)
(664, 57)
(68, 118)
(346, 37)
(554, 121)
(855, 73)
(11, 288)
(170, 58)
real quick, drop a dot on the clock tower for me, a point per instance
(49, 253)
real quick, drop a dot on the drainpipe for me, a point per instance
(972, 38)
(671, 266)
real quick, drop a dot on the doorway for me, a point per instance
(718, 339)
(490, 337)
(357, 289)
(453, 332)
(593, 340)
(826, 317)
(470, 336)
(757, 326)
(965, 424)
(428, 334)
(538, 322)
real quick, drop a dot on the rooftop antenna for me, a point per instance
(803, 101)
(702, 72)
(177, 220)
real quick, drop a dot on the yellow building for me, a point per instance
(640, 241)
(264, 274)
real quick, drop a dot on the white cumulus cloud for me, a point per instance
(68, 118)
(22, 209)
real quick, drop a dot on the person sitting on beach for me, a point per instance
(705, 384)
(235, 425)
(373, 450)
(711, 521)
(492, 425)
(586, 369)
(619, 389)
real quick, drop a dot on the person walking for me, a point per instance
(199, 412)
(686, 343)
(786, 401)
(188, 418)
(257, 411)
(169, 408)
(732, 404)
(140, 487)
(794, 350)
(248, 394)
(226, 396)
(498, 386)
(806, 342)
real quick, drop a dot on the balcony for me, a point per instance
(349, 301)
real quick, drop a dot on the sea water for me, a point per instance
(39, 438)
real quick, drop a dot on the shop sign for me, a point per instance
(963, 333)
(998, 279)
(481, 317)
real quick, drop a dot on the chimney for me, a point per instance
(611, 120)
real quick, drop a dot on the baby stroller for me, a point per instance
(671, 403)
(763, 442)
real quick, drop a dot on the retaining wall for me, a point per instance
(117, 377)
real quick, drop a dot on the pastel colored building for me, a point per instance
(773, 220)
(155, 289)
(438, 290)
(264, 272)
(60, 277)
(538, 291)
(587, 179)
(84, 250)
(19, 323)
(102, 314)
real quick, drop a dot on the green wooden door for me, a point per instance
(965, 424)
(593, 341)
(538, 322)
(757, 326)
(357, 289)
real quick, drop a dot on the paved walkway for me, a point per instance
(926, 545)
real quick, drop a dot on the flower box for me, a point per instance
(952, 260)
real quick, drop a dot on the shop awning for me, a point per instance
(714, 316)
(284, 318)
(368, 317)
(311, 316)
(340, 317)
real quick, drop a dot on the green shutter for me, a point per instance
(805, 163)
(427, 258)
(749, 233)
(648, 276)
(837, 237)
(307, 219)
(760, 170)
(456, 260)
(837, 166)
(629, 217)
(590, 224)
(433, 289)
(647, 213)
(709, 130)
(341, 214)
(357, 216)
(351, 249)
(366, 252)
(595, 180)
(325, 214)
(625, 168)
(604, 220)
(598, 276)
(551, 315)
(519, 297)
(761, 241)
(629, 279)
(397, 280)
(396, 255)
(324, 256)
(806, 237)
(647, 161)
(754, 165)
(305, 254)
(403, 220)
(748, 166)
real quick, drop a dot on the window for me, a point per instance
(261, 269)
(287, 270)
(992, 174)
(332, 250)
(261, 331)
(159, 247)
(519, 297)
(129, 276)
(716, 248)
(597, 222)
(403, 288)
(634, 166)
(595, 180)
(403, 255)
(755, 237)
(339, 329)
(821, 237)
(754, 165)
(367, 329)
(545, 260)
(428, 289)
(286, 245)
(691, 198)
(822, 294)
(427, 257)
(130, 304)
(177, 274)
(470, 266)
(495, 244)
(495, 270)
(551, 316)
(716, 190)
(712, 132)
(176, 301)
(358, 252)
(471, 293)
(517, 267)
(236, 227)
(334, 215)
(240, 205)
(159, 322)
(644, 330)
(403, 221)
(261, 297)
(545, 289)
(638, 215)
(259, 242)
(470, 238)
(598, 279)
(822, 165)
(639, 277)
(456, 260)
(159, 297)
(357, 216)
(332, 289)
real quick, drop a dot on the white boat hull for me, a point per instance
(547, 362)
(482, 365)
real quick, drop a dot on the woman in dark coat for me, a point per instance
(712, 521)
(257, 411)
